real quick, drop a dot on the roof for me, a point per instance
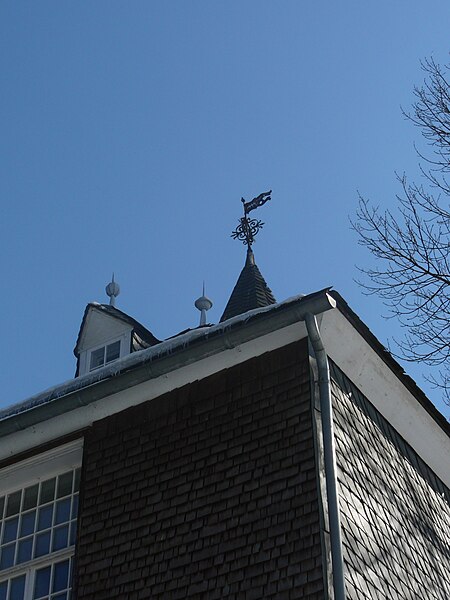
(169, 361)
(316, 302)
(251, 290)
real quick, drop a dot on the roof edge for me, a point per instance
(390, 361)
(161, 359)
(193, 346)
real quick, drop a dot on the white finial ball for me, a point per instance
(112, 289)
(203, 303)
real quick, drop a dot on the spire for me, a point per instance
(251, 290)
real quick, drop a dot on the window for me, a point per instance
(52, 582)
(103, 356)
(37, 538)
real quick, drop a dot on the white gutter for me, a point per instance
(329, 455)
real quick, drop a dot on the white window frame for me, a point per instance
(29, 472)
(30, 569)
(103, 347)
(85, 355)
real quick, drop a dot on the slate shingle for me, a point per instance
(217, 504)
(395, 512)
(251, 291)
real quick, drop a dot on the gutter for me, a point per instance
(329, 455)
(163, 359)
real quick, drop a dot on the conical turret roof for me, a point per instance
(251, 290)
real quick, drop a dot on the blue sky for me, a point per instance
(130, 131)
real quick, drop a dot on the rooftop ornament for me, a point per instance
(112, 290)
(203, 304)
(248, 228)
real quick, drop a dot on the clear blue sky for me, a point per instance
(130, 130)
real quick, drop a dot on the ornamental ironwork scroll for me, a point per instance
(248, 228)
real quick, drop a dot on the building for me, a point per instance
(210, 465)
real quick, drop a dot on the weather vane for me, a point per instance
(248, 228)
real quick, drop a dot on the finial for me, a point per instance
(112, 290)
(203, 304)
(248, 228)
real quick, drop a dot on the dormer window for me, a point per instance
(107, 334)
(104, 355)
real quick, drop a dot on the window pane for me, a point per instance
(3, 590)
(47, 491)
(45, 517)
(7, 556)
(62, 511)
(30, 497)
(60, 576)
(42, 582)
(42, 544)
(10, 530)
(25, 549)
(27, 525)
(13, 506)
(112, 351)
(97, 358)
(60, 538)
(17, 588)
(65, 484)
(2, 504)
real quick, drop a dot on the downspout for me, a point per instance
(329, 455)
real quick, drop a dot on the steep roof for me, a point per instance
(251, 291)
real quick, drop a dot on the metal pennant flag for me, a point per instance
(256, 202)
(248, 228)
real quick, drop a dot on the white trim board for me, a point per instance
(42, 466)
(365, 368)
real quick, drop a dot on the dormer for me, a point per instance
(107, 334)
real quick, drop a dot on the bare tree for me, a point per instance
(412, 244)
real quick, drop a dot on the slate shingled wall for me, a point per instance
(395, 513)
(207, 492)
